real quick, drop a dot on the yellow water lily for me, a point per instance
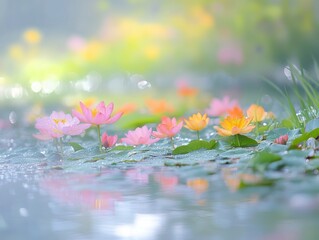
(233, 125)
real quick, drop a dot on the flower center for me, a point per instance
(56, 121)
(94, 112)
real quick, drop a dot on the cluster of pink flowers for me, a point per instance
(59, 124)
(168, 128)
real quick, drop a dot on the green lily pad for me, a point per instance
(122, 148)
(262, 159)
(194, 146)
(275, 133)
(76, 147)
(304, 137)
(242, 141)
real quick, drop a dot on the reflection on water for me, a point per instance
(139, 203)
(43, 197)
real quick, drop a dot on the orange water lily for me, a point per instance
(236, 111)
(256, 113)
(233, 125)
(197, 122)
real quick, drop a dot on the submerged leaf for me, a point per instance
(195, 145)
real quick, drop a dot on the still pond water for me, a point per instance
(145, 193)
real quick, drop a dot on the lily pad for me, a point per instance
(304, 137)
(76, 147)
(242, 141)
(194, 146)
(122, 148)
(312, 124)
(262, 159)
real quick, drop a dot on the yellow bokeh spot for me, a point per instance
(93, 50)
(32, 36)
(152, 52)
(16, 52)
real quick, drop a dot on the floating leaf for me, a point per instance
(178, 164)
(242, 141)
(304, 137)
(236, 153)
(95, 159)
(76, 147)
(262, 159)
(312, 124)
(275, 133)
(194, 146)
(122, 148)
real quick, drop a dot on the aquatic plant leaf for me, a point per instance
(275, 133)
(262, 159)
(304, 137)
(312, 124)
(242, 141)
(195, 145)
(122, 148)
(236, 153)
(76, 147)
(260, 183)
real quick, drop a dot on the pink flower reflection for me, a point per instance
(137, 175)
(167, 182)
(65, 191)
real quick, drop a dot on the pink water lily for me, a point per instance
(139, 136)
(220, 107)
(57, 125)
(98, 115)
(108, 141)
(168, 128)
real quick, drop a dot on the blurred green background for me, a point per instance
(57, 41)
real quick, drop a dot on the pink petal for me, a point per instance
(99, 119)
(128, 141)
(78, 115)
(75, 129)
(108, 110)
(87, 114)
(113, 119)
(158, 135)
